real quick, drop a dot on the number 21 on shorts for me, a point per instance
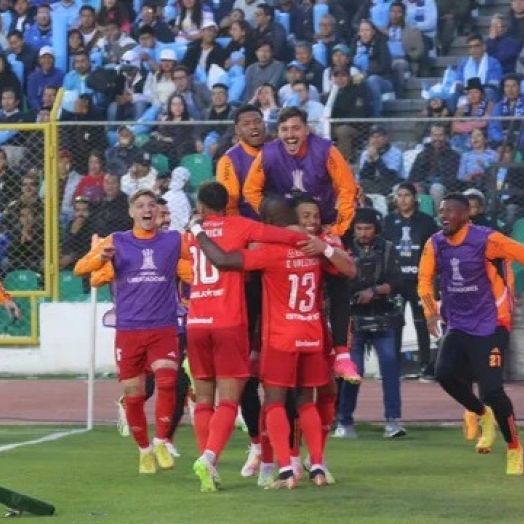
(495, 358)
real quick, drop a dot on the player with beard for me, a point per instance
(293, 333)
(461, 255)
(300, 161)
(232, 170)
(144, 261)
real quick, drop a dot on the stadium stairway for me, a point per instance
(412, 104)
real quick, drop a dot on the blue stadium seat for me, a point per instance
(224, 41)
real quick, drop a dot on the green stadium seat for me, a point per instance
(103, 294)
(70, 287)
(519, 281)
(201, 168)
(517, 234)
(426, 204)
(141, 139)
(160, 163)
(22, 280)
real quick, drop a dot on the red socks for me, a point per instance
(136, 418)
(221, 426)
(515, 440)
(265, 445)
(165, 380)
(326, 411)
(201, 420)
(278, 430)
(312, 431)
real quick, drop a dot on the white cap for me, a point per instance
(168, 54)
(181, 173)
(209, 23)
(130, 58)
(46, 50)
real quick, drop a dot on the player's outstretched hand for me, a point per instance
(108, 253)
(12, 309)
(313, 246)
(434, 328)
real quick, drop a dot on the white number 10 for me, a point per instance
(203, 271)
(306, 285)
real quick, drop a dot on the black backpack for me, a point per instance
(105, 81)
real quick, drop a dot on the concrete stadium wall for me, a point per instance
(64, 343)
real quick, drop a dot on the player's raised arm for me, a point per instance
(254, 185)
(336, 256)
(96, 258)
(501, 246)
(345, 188)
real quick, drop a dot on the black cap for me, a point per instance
(474, 83)
(378, 130)
(143, 158)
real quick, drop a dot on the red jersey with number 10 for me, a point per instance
(291, 298)
(217, 298)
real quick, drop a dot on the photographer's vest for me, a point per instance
(371, 265)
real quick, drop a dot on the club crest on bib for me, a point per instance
(455, 268)
(148, 263)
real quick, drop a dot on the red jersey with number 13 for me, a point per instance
(291, 298)
(217, 298)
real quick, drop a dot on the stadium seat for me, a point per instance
(426, 205)
(379, 203)
(160, 163)
(22, 280)
(141, 139)
(517, 234)
(201, 168)
(103, 294)
(71, 287)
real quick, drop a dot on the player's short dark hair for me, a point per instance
(267, 214)
(457, 197)
(146, 30)
(302, 198)
(291, 112)
(475, 38)
(17, 33)
(213, 195)
(161, 201)
(246, 108)
(87, 8)
(140, 193)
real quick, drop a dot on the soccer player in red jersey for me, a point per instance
(292, 336)
(217, 336)
(144, 263)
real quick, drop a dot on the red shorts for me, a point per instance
(218, 352)
(293, 369)
(136, 350)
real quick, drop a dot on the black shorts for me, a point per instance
(471, 357)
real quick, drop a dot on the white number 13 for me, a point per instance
(305, 285)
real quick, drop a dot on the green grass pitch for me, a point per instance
(431, 476)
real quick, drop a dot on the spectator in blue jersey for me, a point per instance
(45, 75)
(76, 79)
(40, 34)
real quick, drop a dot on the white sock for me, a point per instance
(209, 456)
(146, 450)
(257, 448)
(157, 441)
(316, 466)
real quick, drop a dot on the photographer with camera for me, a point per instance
(376, 314)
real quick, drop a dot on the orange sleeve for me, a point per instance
(426, 280)
(4, 295)
(501, 246)
(346, 190)
(102, 276)
(184, 270)
(92, 261)
(227, 177)
(254, 185)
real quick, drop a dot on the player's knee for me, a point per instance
(132, 390)
(165, 379)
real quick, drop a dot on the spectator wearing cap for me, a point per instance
(501, 46)
(191, 18)
(295, 72)
(477, 106)
(352, 101)
(266, 70)
(177, 199)
(160, 84)
(150, 17)
(327, 33)
(40, 34)
(172, 140)
(406, 47)
(70, 9)
(196, 95)
(75, 80)
(112, 213)
(267, 29)
(478, 65)
(511, 105)
(141, 175)
(130, 102)
(115, 43)
(381, 163)
(148, 49)
(45, 75)
(119, 157)
(369, 53)
(339, 58)
(90, 186)
(88, 28)
(21, 51)
(298, 29)
(313, 69)
(205, 51)
(241, 50)
(68, 180)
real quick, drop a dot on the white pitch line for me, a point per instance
(48, 438)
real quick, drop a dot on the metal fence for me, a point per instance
(62, 181)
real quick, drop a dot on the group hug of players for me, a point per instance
(291, 246)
